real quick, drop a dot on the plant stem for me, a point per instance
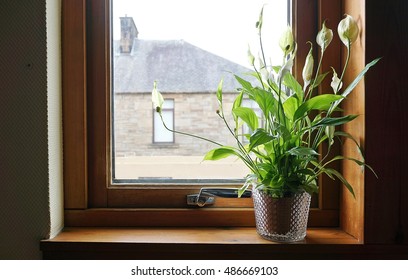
(262, 50)
(332, 107)
(245, 156)
(187, 134)
(345, 66)
(311, 87)
(259, 77)
(280, 104)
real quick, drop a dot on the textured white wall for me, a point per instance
(29, 166)
(53, 10)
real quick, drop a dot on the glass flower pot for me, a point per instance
(281, 219)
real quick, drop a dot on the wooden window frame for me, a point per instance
(89, 197)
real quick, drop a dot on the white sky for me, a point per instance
(223, 27)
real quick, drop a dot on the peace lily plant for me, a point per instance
(283, 150)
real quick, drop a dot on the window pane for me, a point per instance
(187, 46)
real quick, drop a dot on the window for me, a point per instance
(187, 62)
(91, 198)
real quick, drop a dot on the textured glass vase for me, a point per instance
(281, 219)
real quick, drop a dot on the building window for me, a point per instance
(160, 133)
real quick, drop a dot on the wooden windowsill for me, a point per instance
(193, 243)
(208, 243)
(186, 235)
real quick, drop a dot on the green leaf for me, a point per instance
(242, 189)
(302, 151)
(284, 133)
(249, 181)
(319, 80)
(237, 103)
(334, 172)
(248, 116)
(359, 162)
(349, 136)
(334, 121)
(290, 106)
(220, 153)
(259, 137)
(319, 102)
(244, 83)
(294, 85)
(238, 100)
(353, 84)
(311, 188)
(305, 171)
(264, 99)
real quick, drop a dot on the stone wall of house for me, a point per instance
(193, 113)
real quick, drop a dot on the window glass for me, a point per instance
(187, 46)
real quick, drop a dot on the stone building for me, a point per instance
(187, 77)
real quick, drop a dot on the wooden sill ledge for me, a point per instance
(200, 243)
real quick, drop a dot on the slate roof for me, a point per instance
(177, 65)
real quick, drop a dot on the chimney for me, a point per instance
(128, 32)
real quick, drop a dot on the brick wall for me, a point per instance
(194, 113)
